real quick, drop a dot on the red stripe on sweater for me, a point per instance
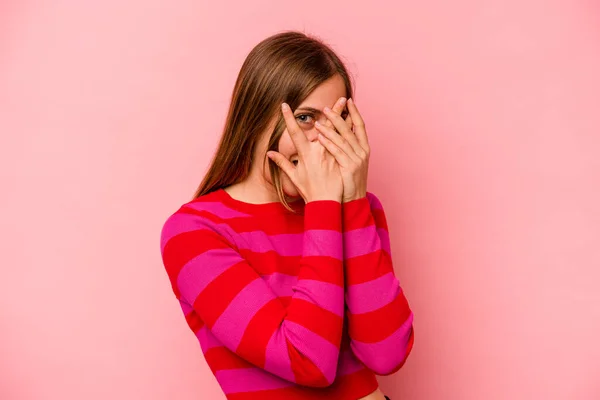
(377, 325)
(194, 321)
(367, 267)
(222, 290)
(352, 386)
(259, 331)
(380, 219)
(295, 223)
(188, 245)
(322, 322)
(269, 262)
(330, 270)
(221, 357)
(304, 370)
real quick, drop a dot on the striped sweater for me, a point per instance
(289, 305)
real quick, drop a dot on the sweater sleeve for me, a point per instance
(379, 317)
(298, 341)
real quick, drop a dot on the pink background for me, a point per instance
(484, 119)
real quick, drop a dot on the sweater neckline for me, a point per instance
(257, 208)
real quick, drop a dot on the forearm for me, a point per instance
(379, 317)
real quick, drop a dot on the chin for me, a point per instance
(293, 194)
(290, 190)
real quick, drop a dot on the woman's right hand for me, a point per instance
(317, 175)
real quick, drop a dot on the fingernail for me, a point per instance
(317, 123)
(285, 107)
(350, 100)
(327, 109)
(342, 101)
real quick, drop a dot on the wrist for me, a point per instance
(324, 197)
(317, 199)
(353, 198)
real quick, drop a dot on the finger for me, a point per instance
(349, 121)
(340, 156)
(343, 129)
(284, 164)
(338, 107)
(338, 140)
(359, 125)
(296, 133)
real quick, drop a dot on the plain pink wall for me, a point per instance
(484, 119)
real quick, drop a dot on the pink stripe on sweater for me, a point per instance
(324, 294)
(207, 339)
(374, 202)
(185, 307)
(217, 209)
(372, 295)
(248, 380)
(348, 363)
(323, 243)
(232, 323)
(309, 243)
(359, 242)
(384, 356)
(181, 223)
(384, 238)
(281, 284)
(277, 358)
(321, 352)
(260, 242)
(176, 224)
(202, 270)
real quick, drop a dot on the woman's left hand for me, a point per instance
(350, 148)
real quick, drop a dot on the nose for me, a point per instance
(311, 134)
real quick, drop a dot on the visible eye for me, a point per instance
(305, 118)
(295, 162)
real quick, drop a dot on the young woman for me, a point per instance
(281, 263)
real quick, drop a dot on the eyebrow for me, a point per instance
(311, 109)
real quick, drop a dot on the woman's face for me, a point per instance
(309, 111)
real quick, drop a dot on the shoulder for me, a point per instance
(202, 217)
